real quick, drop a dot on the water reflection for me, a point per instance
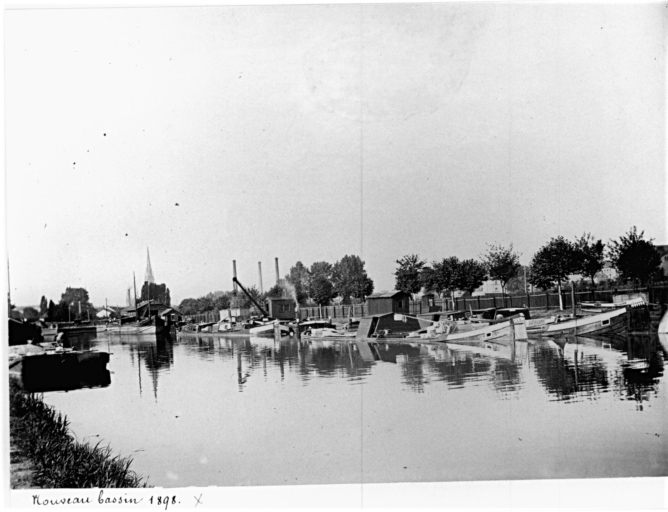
(346, 400)
(569, 368)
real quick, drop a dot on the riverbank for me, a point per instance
(44, 454)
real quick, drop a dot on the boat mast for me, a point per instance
(134, 282)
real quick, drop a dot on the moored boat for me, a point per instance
(376, 327)
(59, 369)
(610, 322)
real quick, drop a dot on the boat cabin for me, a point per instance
(444, 315)
(388, 302)
(506, 312)
(389, 324)
(483, 314)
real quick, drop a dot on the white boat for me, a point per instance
(663, 324)
(268, 330)
(602, 323)
(599, 307)
(328, 332)
(507, 329)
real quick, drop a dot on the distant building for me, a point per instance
(489, 287)
(608, 273)
(106, 312)
(663, 251)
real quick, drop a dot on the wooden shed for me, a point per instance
(388, 302)
(428, 304)
(282, 309)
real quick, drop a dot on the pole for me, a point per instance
(234, 274)
(134, 282)
(278, 276)
(573, 297)
(259, 269)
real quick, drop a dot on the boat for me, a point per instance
(383, 327)
(610, 322)
(54, 368)
(144, 323)
(328, 332)
(269, 329)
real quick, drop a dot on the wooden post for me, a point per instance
(494, 299)
(573, 297)
(547, 300)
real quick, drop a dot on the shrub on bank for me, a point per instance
(59, 460)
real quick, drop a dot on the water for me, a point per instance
(214, 411)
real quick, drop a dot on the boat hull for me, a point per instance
(64, 371)
(612, 322)
(137, 329)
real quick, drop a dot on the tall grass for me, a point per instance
(59, 460)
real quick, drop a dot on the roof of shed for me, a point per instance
(385, 295)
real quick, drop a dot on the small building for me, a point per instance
(170, 315)
(281, 308)
(106, 312)
(389, 302)
(663, 252)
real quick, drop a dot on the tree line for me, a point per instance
(314, 285)
(74, 304)
(636, 260)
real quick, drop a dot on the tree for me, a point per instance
(188, 306)
(75, 295)
(555, 261)
(319, 285)
(30, 314)
(634, 258)
(299, 277)
(408, 274)
(321, 289)
(502, 264)
(51, 311)
(350, 279)
(156, 292)
(470, 275)
(242, 301)
(43, 306)
(519, 283)
(442, 276)
(590, 256)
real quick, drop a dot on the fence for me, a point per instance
(546, 300)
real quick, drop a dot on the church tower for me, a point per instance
(148, 277)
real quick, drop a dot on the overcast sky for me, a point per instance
(312, 132)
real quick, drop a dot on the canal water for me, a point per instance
(202, 411)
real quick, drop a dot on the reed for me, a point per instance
(60, 461)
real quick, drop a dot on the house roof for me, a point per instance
(281, 298)
(169, 310)
(386, 295)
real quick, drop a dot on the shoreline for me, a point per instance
(45, 455)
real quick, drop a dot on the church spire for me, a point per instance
(148, 278)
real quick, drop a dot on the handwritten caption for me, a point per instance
(106, 498)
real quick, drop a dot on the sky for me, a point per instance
(306, 133)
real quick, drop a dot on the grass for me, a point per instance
(57, 460)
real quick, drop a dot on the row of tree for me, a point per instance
(317, 284)
(636, 260)
(73, 304)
